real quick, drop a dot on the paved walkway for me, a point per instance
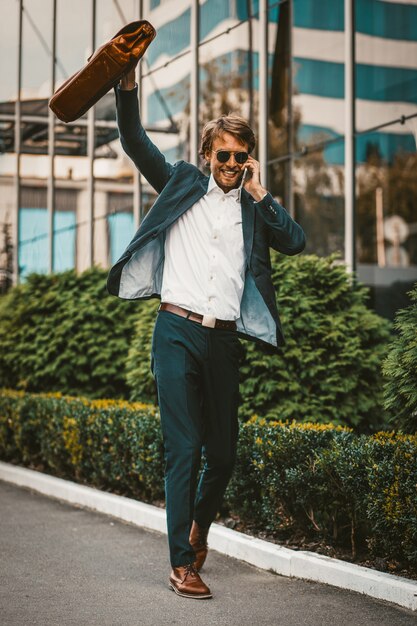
(61, 566)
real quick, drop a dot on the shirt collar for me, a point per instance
(233, 193)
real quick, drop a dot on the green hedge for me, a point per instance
(107, 443)
(330, 368)
(138, 366)
(400, 370)
(319, 480)
(351, 489)
(64, 332)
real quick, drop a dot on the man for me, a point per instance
(203, 248)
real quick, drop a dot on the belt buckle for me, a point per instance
(209, 321)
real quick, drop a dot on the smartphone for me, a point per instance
(245, 173)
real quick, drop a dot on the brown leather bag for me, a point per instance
(103, 70)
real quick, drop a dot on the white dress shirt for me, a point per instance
(204, 256)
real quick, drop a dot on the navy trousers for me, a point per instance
(197, 376)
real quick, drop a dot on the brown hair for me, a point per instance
(233, 124)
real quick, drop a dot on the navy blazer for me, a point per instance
(138, 273)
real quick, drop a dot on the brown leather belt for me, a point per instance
(205, 320)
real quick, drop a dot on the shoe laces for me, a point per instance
(189, 571)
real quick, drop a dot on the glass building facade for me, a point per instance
(329, 86)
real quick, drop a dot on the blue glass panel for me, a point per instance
(64, 241)
(154, 4)
(388, 144)
(320, 78)
(175, 154)
(242, 9)
(273, 11)
(211, 13)
(387, 84)
(373, 82)
(33, 252)
(172, 37)
(322, 15)
(382, 19)
(311, 134)
(176, 97)
(121, 232)
(33, 241)
(387, 19)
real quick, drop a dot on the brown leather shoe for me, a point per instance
(186, 582)
(198, 541)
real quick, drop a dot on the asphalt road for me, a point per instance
(61, 565)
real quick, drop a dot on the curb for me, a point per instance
(262, 554)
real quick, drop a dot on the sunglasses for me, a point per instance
(224, 155)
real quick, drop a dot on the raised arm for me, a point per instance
(146, 156)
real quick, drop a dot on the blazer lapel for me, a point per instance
(248, 223)
(196, 191)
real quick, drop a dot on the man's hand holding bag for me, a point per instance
(104, 70)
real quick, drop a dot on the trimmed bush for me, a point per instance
(110, 444)
(303, 477)
(329, 370)
(64, 332)
(138, 367)
(392, 499)
(319, 481)
(400, 370)
(325, 482)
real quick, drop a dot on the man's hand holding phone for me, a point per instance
(251, 180)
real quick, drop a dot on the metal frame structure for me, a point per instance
(87, 125)
(194, 82)
(92, 122)
(290, 120)
(137, 179)
(350, 106)
(90, 152)
(18, 124)
(263, 90)
(51, 150)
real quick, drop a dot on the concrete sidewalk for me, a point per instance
(61, 565)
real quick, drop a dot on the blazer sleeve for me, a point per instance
(285, 235)
(135, 142)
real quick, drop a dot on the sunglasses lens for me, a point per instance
(223, 156)
(241, 157)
